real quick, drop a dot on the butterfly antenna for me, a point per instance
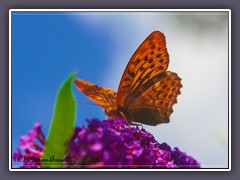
(87, 103)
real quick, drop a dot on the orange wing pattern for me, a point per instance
(154, 105)
(147, 92)
(102, 96)
(149, 59)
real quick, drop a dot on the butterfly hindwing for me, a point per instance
(154, 104)
(102, 96)
(146, 114)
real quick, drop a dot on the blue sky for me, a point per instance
(47, 47)
(45, 50)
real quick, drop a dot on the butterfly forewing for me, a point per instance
(149, 59)
(102, 96)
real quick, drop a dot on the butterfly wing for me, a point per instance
(146, 91)
(102, 96)
(154, 104)
(149, 59)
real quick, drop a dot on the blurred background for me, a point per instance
(48, 46)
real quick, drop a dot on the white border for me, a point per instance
(229, 90)
(119, 10)
(10, 91)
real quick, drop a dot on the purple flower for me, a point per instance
(108, 144)
(30, 148)
(183, 160)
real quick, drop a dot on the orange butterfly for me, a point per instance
(146, 92)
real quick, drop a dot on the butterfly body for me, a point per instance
(146, 92)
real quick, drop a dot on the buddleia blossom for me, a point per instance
(30, 148)
(108, 144)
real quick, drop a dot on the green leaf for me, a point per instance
(62, 126)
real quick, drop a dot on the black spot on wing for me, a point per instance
(150, 60)
(136, 62)
(146, 58)
(131, 74)
(152, 66)
(160, 68)
(161, 60)
(164, 86)
(127, 79)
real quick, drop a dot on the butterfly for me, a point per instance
(146, 92)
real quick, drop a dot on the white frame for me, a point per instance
(120, 10)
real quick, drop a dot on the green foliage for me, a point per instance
(62, 126)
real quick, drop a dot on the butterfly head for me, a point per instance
(113, 113)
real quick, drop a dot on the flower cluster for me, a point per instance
(109, 144)
(32, 145)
